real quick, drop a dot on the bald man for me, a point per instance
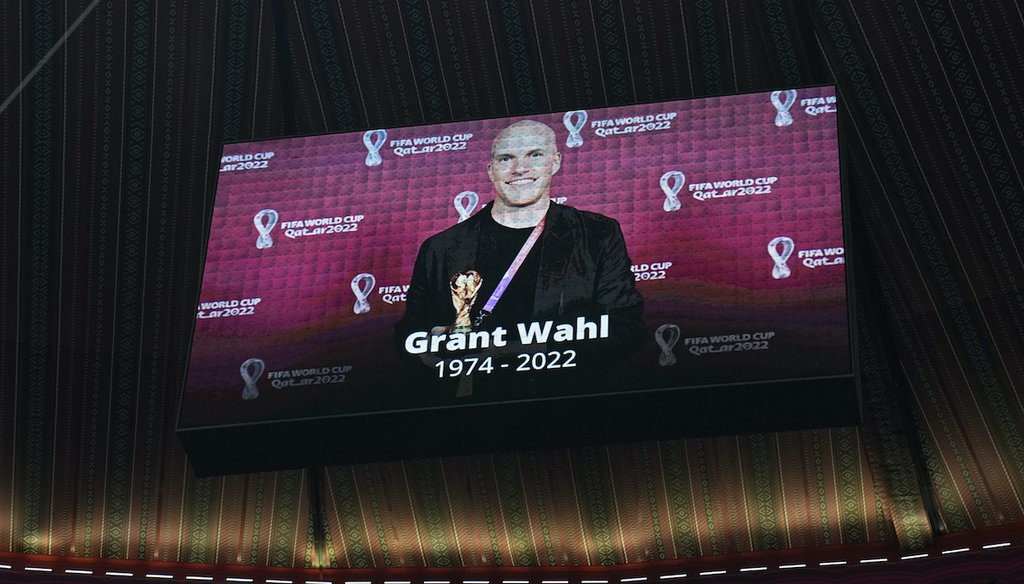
(577, 264)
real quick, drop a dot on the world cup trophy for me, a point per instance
(464, 287)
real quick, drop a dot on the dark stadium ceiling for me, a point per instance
(109, 156)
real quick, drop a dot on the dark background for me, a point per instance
(108, 159)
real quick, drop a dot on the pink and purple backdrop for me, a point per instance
(719, 281)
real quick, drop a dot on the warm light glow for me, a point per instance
(632, 579)
(995, 545)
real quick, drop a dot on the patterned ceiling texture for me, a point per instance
(109, 155)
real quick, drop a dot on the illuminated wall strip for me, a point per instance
(634, 579)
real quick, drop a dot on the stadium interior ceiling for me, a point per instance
(110, 154)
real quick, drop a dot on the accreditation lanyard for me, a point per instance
(511, 272)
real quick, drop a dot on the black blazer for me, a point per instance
(584, 271)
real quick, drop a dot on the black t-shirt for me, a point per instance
(499, 246)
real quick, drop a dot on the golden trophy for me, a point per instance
(464, 287)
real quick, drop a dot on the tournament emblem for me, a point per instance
(362, 286)
(265, 221)
(783, 100)
(374, 141)
(574, 122)
(667, 335)
(671, 183)
(780, 270)
(465, 203)
(251, 370)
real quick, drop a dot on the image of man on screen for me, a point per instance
(553, 265)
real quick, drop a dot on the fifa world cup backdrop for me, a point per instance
(731, 212)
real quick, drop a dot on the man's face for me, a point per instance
(523, 160)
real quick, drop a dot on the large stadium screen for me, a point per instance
(375, 292)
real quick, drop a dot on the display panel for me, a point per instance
(691, 252)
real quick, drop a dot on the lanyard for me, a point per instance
(511, 272)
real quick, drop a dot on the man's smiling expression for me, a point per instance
(524, 157)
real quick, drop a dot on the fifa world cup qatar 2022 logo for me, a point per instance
(362, 287)
(465, 202)
(251, 371)
(574, 122)
(265, 221)
(666, 337)
(779, 249)
(374, 140)
(783, 100)
(671, 183)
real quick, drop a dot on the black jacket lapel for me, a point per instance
(558, 247)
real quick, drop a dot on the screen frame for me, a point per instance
(563, 421)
